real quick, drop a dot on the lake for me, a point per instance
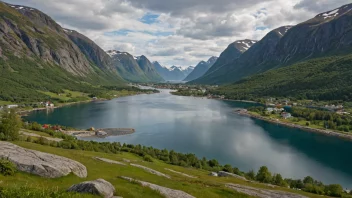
(210, 128)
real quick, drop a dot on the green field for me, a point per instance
(203, 186)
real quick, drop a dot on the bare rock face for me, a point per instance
(226, 174)
(167, 192)
(39, 163)
(263, 193)
(96, 187)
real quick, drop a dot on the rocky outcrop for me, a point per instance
(183, 174)
(151, 171)
(167, 192)
(96, 187)
(226, 174)
(109, 161)
(263, 193)
(39, 163)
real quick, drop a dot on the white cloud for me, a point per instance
(185, 31)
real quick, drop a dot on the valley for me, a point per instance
(176, 99)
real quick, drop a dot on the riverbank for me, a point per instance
(60, 105)
(292, 125)
(101, 133)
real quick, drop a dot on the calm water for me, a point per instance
(209, 128)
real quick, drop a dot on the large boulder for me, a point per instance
(96, 187)
(39, 163)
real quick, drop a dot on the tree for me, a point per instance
(308, 180)
(278, 180)
(10, 125)
(263, 175)
(334, 190)
(228, 168)
(251, 175)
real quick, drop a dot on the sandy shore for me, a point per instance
(305, 128)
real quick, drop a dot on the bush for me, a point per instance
(334, 190)
(148, 158)
(264, 175)
(7, 168)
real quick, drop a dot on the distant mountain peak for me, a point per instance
(335, 13)
(20, 7)
(244, 45)
(282, 30)
(212, 59)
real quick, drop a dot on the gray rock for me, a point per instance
(167, 192)
(214, 174)
(226, 174)
(109, 161)
(39, 163)
(263, 193)
(183, 174)
(96, 187)
(151, 171)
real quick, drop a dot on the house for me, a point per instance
(12, 106)
(46, 126)
(49, 104)
(286, 115)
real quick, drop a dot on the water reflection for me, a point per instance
(209, 128)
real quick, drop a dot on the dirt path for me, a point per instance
(39, 136)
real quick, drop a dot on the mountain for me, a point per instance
(227, 70)
(149, 69)
(127, 66)
(33, 43)
(326, 34)
(232, 52)
(328, 78)
(201, 69)
(312, 60)
(91, 50)
(173, 73)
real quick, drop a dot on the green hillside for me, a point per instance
(327, 78)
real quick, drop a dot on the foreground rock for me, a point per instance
(151, 171)
(226, 174)
(184, 174)
(167, 192)
(96, 187)
(263, 193)
(109, 161)
(39, 163)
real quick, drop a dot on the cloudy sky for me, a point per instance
(177, 32)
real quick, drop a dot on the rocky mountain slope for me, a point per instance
(149, 69)
(173, 73)
(201, 69)
(326, 34)
(128, 66)
(232, 52)
(37, 54)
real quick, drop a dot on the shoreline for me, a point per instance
(25, 112)
(292, 125)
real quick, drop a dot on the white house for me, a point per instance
(12, 106)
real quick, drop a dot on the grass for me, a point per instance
(5, 103)
(203, 186)
(67, 95)
(36, 132)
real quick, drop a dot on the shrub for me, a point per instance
(148, 158)
(7, 168)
